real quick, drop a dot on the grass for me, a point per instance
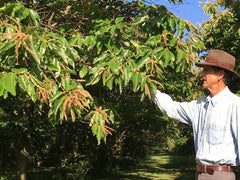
(163, 167)
(157, 167)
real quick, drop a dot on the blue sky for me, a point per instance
(190, 10)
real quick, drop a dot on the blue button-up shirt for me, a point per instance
(215, 122)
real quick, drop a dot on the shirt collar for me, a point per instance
(218, 96)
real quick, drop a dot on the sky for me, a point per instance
(190, 10)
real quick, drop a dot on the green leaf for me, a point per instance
(83, 72)
(127, 75)
(94, 79)
(114, 66)
(181, 27)
(142, 62)
(9, 83)
(100, 135)
(180, 55)
(135, 44)
(35, 81)
(109, 83)
(35, 17)
(94, 129)
(31, 91)
(112, 30)
(21, 79)
(69, 71)
(56, 96)
(134, 80)
(119, 19)
(43, 47)
(1, 87)
(73, 40)
(100, 58)
(6, 46)
(37, 57)
(21, 12)
(19, 70)
(168, 56)
(65, 83)
(52, 67)
(172, 23)
(143, 81)
(118, 81)
(57, 104)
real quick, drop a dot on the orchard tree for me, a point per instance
(72, 61)
(53, 68)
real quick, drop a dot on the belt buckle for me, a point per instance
(209, 170)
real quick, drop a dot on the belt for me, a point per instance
(211, 168)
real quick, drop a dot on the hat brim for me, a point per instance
(199, 64)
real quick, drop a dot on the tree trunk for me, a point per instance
(22, 164)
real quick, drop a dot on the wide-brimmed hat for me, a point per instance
(221, 59)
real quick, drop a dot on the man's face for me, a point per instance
(210, 77)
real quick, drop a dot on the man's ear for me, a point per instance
(221, 74)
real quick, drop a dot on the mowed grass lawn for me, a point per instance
(162, 166)
(157, 167)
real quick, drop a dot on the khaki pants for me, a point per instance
(217, 175)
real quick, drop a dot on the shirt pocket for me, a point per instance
(215, 134)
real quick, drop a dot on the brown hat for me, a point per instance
(222, 59)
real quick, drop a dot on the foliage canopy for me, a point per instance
(53, 54)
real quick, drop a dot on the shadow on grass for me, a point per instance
(158, 167)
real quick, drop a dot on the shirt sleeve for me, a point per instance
(235, 125)
(182, 111)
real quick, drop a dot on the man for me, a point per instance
(215, 119)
